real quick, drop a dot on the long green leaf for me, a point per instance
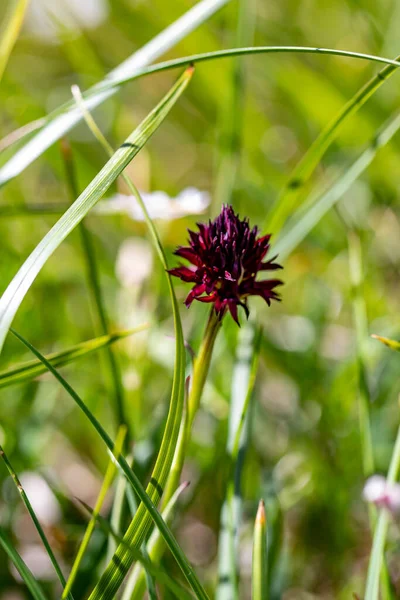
(364, 396)
(107, 481)
(64, 117)
(305, 220)
(69, 116)
(93, 279)
(289, 197)
(155, 546)
(173, 545)
(34, 518)
(392, 344)
(243, 381)
(361, 328)
(156, 572)
(380, 533)
(10, 29)
(34, 368)
(137, 530)
(21, 283)
(259, 581)
(379, 540)
(21, 567)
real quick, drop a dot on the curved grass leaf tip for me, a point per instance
(226, 257)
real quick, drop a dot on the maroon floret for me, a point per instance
(226, 256)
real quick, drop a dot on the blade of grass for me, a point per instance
(56, 128)
(137, 530)
(156, 572)
(364, 395)
(259, 581)
(10, 29)
(113, 84)
(95, 288)
(232, 112)
(289, 197)
(380, 533)
(135, 586)
(32, 369)
(393, 344)
(117, 511)
(34, 518)
(21, 210)
(305, 220)
(174, 547)
(107, 482)
(361, 329)
(21, 567)
(21, 283)
(243, 381)
(62, 119)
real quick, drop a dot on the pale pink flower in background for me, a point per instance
(383, 494)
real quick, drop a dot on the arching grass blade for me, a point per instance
(174, 547)
(34, 518)
(69, 115)
(21, 567)
(22, 281)
(34, 368)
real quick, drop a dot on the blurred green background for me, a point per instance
(305, 446)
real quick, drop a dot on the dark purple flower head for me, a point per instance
(226, 256)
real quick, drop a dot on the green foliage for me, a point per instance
(288, 118)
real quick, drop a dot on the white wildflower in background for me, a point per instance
(383, 494)
(134, 262)
(190, 201)
(43, 501)
(44, 17)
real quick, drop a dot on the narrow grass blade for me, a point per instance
(379, 540)
(392, 344)
(66, 116)
(34, 518)
(107, 482)
(10, 29)
(70, 115)
(34, 368)
(243, 381)
(361, 329)
(95, 288)
(137, 530)
(22, 210)
(156, 572)
(57, 123)
(174, 547)
(21, 567)
(259, 582)
(364, 396)
(231, 112)
(289, 197)
(117, 510)
(305, 220)
(136, 583)
(21, 283)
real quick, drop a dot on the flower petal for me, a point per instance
(183, 273)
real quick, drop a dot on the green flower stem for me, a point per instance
(201, 366)
(200, 371)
